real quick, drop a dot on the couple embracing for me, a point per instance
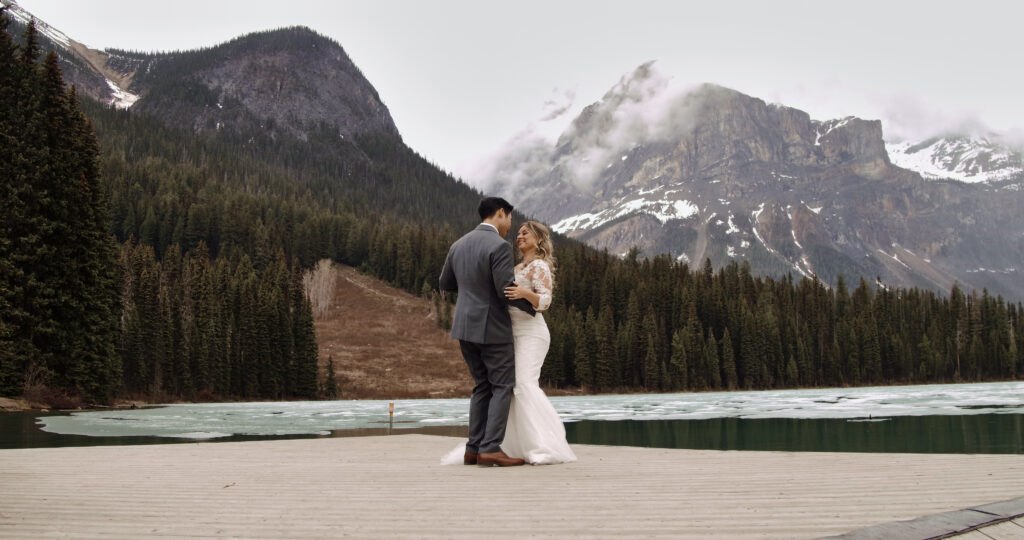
(504, 340)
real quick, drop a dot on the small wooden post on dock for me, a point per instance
(391, 416)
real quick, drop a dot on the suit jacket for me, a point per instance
(479, 267)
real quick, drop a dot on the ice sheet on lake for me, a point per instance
(207, 421)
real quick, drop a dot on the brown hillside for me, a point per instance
(386, 343)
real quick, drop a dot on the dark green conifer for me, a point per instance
(730, 378)
(679, 364)
(605, 363)
(714, 376)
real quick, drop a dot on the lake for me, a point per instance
(958, 418)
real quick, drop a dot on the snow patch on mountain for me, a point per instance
(992, 270)
(662, 210)
(122, 99)
(753, 220)
(829, 126)
(895, 256)
(732, 226)
(967, 159)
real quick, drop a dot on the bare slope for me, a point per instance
(386, 342)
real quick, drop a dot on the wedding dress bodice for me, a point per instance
(536, 276)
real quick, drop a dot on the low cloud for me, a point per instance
(642, 107)
(907, 118)
(524, 157)
(527, 154)
(559, 104)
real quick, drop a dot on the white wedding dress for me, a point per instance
(534, 431)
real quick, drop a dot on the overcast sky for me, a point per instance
(463, 76)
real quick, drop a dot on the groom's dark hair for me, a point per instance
(490, 206)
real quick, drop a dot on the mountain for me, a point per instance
(964, 158)
(711, 173)
(290, 80)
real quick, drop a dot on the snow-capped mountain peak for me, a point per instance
(972, 159)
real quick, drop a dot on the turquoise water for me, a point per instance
(964, 418)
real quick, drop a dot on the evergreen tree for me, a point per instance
(304, 337)
(792, 372)
(331, 382)
(12, 361)
(652, 367)
(1014, 357)
(680, 367)
(583, 358)
(714, 376)
(605, 364)
(57, 278)
(926, 359)
(731, 380)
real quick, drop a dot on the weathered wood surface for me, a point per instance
(1008, 530)
(393, 486)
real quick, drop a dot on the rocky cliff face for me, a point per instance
(712, 173)
(292, 79)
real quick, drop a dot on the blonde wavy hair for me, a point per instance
(545, 247)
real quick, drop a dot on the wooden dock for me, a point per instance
(393, 486)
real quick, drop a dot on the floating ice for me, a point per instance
(208, 421)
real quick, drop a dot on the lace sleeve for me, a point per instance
(541, 281)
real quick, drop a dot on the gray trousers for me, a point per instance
(494, 371)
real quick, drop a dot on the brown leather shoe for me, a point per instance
(498, 459)
(469, 459)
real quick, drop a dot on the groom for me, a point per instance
(479, 267)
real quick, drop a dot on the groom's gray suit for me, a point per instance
(479, 267)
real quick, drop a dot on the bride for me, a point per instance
(534, 431)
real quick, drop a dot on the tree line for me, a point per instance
(659, 325)
(197, 327)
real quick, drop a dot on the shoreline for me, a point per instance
(21, 404)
